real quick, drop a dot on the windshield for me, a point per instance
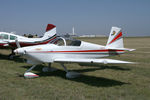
(3, 36)
(68, 42)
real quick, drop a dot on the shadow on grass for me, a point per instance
(16, 58)
(86, 79)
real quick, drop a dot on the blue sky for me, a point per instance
(87, 16)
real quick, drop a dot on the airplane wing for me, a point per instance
(103, 61)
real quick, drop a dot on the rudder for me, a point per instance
(50, 31)
(115, 39)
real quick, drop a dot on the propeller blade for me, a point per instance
(17, 43)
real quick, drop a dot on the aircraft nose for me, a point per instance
(15, 51)
(20, 51)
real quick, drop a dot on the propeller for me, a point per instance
(17, 43)
(19, 50)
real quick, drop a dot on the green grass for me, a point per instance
(97, 82)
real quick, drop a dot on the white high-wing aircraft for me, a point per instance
(8, 39)
(74, 51)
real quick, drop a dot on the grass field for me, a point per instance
(97, 82)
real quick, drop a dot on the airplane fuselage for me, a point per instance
(24, 41)
(46, 53)
(8, 39)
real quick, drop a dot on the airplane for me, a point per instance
(7, 40)
(73, 51)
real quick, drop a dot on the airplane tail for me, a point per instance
(115, 39)
(50, 31)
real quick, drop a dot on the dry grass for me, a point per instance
(97, 82)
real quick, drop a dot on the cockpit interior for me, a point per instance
(67, 42)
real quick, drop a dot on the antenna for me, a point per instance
(73, 31)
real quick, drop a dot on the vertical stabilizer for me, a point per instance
(50, 31)
(115, 39)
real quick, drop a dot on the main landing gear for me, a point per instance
(70, 74)
(49, 68)
(29, 74)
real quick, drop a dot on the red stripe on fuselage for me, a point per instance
(23, 44)
(106, 50)
(47, 41)
(2, 45)
(118, 36)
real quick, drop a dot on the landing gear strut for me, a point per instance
(29, 74)
(49, 68)
(70, 74)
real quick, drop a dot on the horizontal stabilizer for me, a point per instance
(127, 49)
(103, 61)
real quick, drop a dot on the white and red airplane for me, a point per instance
(8, 39)
(74, 51)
